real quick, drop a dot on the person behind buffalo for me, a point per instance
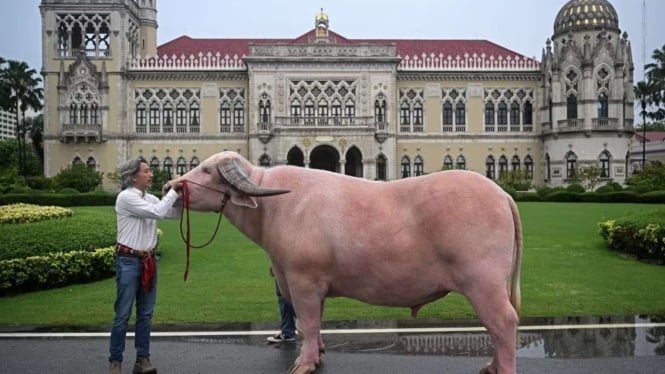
(136, 271)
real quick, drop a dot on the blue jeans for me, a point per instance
(128, 289)
(288, 315)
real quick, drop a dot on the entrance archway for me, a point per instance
(295, 157)
(354, 164)
(324, 157)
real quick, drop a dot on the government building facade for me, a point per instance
(378, 109)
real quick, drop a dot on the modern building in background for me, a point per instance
(7, 125)
(379, 109)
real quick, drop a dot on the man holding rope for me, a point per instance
(136, 271)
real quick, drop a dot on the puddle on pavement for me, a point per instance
(615, 336)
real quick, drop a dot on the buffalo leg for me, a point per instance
(500, 318)
(309, 312)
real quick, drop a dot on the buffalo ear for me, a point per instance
(240, 199)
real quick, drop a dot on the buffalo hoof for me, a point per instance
(301, 369)
(487, 370)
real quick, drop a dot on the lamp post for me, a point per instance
(644, 132)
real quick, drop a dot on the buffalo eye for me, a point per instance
(205, 170)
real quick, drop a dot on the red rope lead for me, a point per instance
(186, 237)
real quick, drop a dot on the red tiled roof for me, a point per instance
(187, 46)
(652, 136)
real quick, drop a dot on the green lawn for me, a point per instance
(566, 270)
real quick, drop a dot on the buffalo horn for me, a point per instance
(229, 169)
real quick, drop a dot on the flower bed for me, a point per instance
(23, 213)
(640, 235)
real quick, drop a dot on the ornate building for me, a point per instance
(377, 109)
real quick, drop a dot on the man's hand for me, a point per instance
(172, 184)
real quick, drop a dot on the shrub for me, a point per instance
(40, 183)
(68, 190)
(79, 177)
(545, 191)
(23, 213)
(651, 178)
(575, 187)
(653, 197)
(517, 180)
(55, 270)
(641, 235)
(605, 189)
(85, 230)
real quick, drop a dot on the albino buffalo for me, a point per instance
(403, 243)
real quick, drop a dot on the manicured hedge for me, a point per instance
(641, 235)
(625, 196)
(97, 198)
(55, 270)
(85, 230)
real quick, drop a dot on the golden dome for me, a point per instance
(580, 15)
(321, 16)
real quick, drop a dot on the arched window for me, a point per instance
(405, 116)
(381, 168)
(167, 114)
(406, 167)
(309, 112)
(73, 114)
(94, 114)
(92, 163)
(571, 165)
(490, 167)
(336, 108)
(264, 161)
(515, 162)
(502, 115)
(447, 163)
(447, 113)
(225, 117)
(194, 115)
(379, 109)
(83, 113)
(154, 163)
(515, 116)
(154, 117)
(418, 166)
(605, 162)
(296, 108)
(168, 167)
(264, 109)
(460, 163)
(603, 110)
(140, 118)
(460, 115)
(417, 116)
(181, 117)
(527, 117)
(503, 166)
(181, 166)
(350, 108)
(194, 162)
(528, 166)
(571, 107)
(77, 161)
(489, 116)
(238, 117)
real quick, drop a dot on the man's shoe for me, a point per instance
(280, 338)
(143, 366)
(116, 367)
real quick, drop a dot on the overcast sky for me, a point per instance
(520, 25)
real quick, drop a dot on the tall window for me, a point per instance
(571, 107)
(405, 115)
(406, 167)
(181, 117)
(418, 166)
(140, 118)
(154, 164)
(447, 163)
(181, 166)
(602, 105)
(515, 162)
(350, 108)
(503, 166)
(605, 164)
(264, 109)
(571, 165)
(528, 166)
(225, 117)
(264, 161)
(514, 116)
(460, 115)
(381, 170)
(166, 115)
(91, 163)
(527, 117)
(460, 163)
(490, 167)
(309, 112)
(194, 124)
(447, 113)
(238, 117)
(418, 117)
(194, 162)
(379, 109)
(168, 167)
(489, 116)
(502, 115)
(154, 117)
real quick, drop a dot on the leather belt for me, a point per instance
(127, 251)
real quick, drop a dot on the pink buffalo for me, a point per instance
(403, 243)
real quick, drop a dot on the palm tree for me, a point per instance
(644, 93)
(655, 72)
(20, 91)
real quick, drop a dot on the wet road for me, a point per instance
(584, 345)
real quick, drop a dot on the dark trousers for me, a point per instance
(288, 315)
